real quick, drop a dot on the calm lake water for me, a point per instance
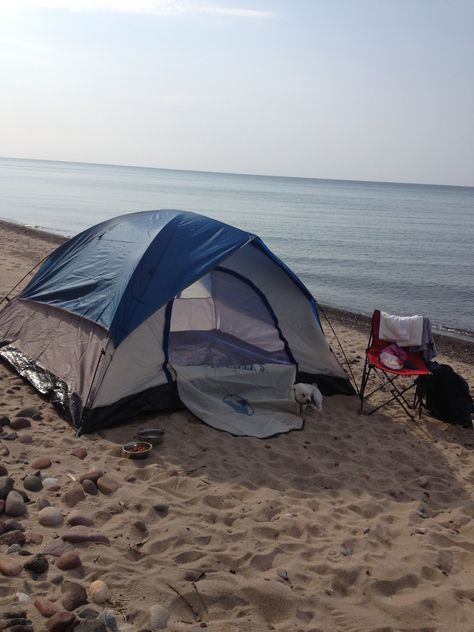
(404, 248)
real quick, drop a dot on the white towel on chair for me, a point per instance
(406, 331)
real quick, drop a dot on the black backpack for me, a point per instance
(446, 395)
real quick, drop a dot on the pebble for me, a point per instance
(2, 506)
(110, 620)
(107, 485)
(84, 534)
(45, 607)
(423, 513)
(34, 538)
(161, 508)
(50, 517)
(6, 486)
(42, 503)
(23, 599)
(99, 592)
(9, 566)
(13, 537)
(88, 613)
(73, 496)
(140, 526)
(91, 625)
(51, 484)
(68, 560)
(3, 470)
(61, 622)
(42, 463)
(57, 548)
(37, 565)
(77, 517)
(15, 504)
(91, 476)
(4, 421)
(159, 617)
(423, 481)
(31, 411)
(13, 525)
(33, 483)
(19, 423)
(80, 453)
(9, 436)
(74, 595)
(13, 548)
(90, 487)
(25, 438)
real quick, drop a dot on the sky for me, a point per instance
(347, 89)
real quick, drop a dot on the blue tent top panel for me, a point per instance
(119, 272)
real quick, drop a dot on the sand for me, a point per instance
(357, 523)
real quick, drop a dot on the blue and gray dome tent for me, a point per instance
(149, 310)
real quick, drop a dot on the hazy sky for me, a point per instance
(356, 89)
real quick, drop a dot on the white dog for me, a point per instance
(308, 396)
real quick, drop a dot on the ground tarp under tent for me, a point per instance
(159, 309)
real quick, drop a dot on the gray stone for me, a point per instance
(14, 525)
(6, 486)
(74, 595)
(90, 487)
(50, 517)
(91, 625)
(159, 616)
(57, 548)
(42, 503)
(12, 537)
(51, 484)
(31, 411)
(15, 504)
(33, 483)
(161, 508)
(110, 619)
(9, 436)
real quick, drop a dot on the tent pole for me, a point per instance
(353, 380)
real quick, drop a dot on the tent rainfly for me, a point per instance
(159, 309)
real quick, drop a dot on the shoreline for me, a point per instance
(450, 345)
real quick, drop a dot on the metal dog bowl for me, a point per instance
(152, 435)
(136, 449)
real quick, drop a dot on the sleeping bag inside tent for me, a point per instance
(163, 309)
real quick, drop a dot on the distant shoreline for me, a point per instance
(452, 346)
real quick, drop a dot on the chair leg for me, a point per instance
(365, 379)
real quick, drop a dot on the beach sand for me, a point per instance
(357, 523)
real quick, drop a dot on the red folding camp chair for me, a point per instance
(387, 376)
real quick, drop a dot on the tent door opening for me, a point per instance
(222, 320)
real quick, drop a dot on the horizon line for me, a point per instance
(233, 173)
